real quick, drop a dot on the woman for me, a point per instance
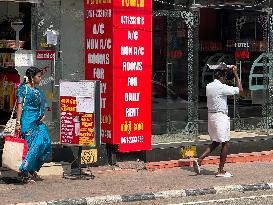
(30, 114)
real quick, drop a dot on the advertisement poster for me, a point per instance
(77, 113)
(118, 51)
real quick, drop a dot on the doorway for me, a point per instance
(174, 100)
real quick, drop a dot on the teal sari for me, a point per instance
(33, 130)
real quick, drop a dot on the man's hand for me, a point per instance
(238, 81)
(234, 69)
(42, 119)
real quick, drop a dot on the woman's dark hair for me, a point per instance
(32, 71)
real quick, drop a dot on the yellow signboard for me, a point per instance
(188, 152)
(89, 156)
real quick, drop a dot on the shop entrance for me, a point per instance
(9, 78)
(173, 96)
(238, 37)
(39, 20)
(185, 40)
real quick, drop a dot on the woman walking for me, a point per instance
(30, 115)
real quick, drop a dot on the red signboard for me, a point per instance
(45, 55)
(76, 128)
(118, 37)
(99, 59)
(242, 55)
(132, 76)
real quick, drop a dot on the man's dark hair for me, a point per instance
(219, 73)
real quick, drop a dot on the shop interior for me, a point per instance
(219, 41)
(217, 37)
(9, 78)
(223, 39)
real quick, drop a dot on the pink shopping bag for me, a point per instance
(14, 152)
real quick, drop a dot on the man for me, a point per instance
(218, 120)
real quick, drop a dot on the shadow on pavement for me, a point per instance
(11, 180)
(203, 171)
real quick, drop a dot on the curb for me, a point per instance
(110, 199)
(232, 158)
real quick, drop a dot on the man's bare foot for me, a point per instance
(223, 173)
(196, 167)
(199, 162)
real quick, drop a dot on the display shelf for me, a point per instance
(7, 50)
(5, 116)
(228, 51)
(8, 70)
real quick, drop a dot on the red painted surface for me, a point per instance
(125, 46)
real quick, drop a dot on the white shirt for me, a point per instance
(217, 93)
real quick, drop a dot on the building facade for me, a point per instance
(186, 36)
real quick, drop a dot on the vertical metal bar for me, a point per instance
(240, 70)
(255, 29)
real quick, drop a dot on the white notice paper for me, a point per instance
(51, 37)
(77, 89)
(85, 104)
(24, 58)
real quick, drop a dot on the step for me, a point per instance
(264, 156)
(48, 169)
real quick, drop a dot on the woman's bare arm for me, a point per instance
(18, 118)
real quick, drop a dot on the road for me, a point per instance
(243, 198)
(128, 182)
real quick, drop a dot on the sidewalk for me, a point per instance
(130, 181)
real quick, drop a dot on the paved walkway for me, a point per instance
(236, 135)
(130, 181)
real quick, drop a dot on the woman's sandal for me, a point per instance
(23, 177)
(35, 176)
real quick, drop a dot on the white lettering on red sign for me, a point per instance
(132, 112)
(132, 139)
(103, 88)
(99, 43)
(106, 133)
(98, 73)
(131, 97)
(103, 102)
(132, 20)
(98, 28)
(132, 81)
(99, 58)
(45, 55)
(132, 66)
(133, 35)
(130, 50)
(99, 13)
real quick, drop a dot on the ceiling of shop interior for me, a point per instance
(29, 1)
(229, 2)
(225, 2)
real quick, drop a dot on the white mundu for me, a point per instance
(218, 120)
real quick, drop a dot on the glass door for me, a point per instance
(252, 57)
(173, 86)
